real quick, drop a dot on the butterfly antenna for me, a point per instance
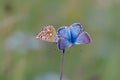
(62, 65)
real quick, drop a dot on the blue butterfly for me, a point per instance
(68, 36)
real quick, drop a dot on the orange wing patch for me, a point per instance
(48, 33)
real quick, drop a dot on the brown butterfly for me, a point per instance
(47, 33)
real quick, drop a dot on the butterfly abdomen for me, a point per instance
(72, 39)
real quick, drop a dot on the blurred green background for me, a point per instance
(22, 57)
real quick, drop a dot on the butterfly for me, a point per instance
(68, 36)
(65, 36)
(47, 33)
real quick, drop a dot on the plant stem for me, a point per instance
(62, 65)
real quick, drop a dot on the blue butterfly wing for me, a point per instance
(64, 38)
(63, 43)
(64, 32)
(75, 30)
(83, 38)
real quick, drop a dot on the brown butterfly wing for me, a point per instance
(48, 33)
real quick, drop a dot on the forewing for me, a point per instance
(75, 30)
(64, 32)
(83, 38)
(48, 33)
(63, 43)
